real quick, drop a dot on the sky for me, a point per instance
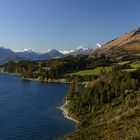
(65, 24)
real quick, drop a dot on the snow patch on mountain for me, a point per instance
(24, 50)
(99, 45)
(67, 52)
(83, 47)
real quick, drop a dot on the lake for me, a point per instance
(28, 110)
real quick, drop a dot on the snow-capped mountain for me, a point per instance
(81, 50)
(51, 54)
(67, 52)
(7, 54)
(27, 53)
(24, 50)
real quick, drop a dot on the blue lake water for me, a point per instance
(28, 110)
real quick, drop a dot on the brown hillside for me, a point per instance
(127, 42)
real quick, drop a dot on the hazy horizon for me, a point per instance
(65, 24)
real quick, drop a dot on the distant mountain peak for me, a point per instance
(83, 47)
(52, 50)
(25, 50)
(6, 54)
(67, 52)
(80, 50)
(2, 47)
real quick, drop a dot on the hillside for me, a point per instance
(129, 42)
(108, 108)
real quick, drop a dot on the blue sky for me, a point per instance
(65, 24)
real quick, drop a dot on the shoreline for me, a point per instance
(59, 81)
(8, 73)
(64, 109)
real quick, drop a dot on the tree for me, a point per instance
(73, 87)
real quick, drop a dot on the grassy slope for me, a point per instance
(95, 71)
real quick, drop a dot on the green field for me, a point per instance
(95, 71)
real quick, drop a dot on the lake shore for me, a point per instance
(57, 81)
(10, 73)
(65, 111)
(60, 81)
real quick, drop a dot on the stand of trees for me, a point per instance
(116, 95)
(57, 68)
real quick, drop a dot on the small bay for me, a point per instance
(28, 110)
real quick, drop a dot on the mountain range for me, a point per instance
(127, 43)
(28, 54)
